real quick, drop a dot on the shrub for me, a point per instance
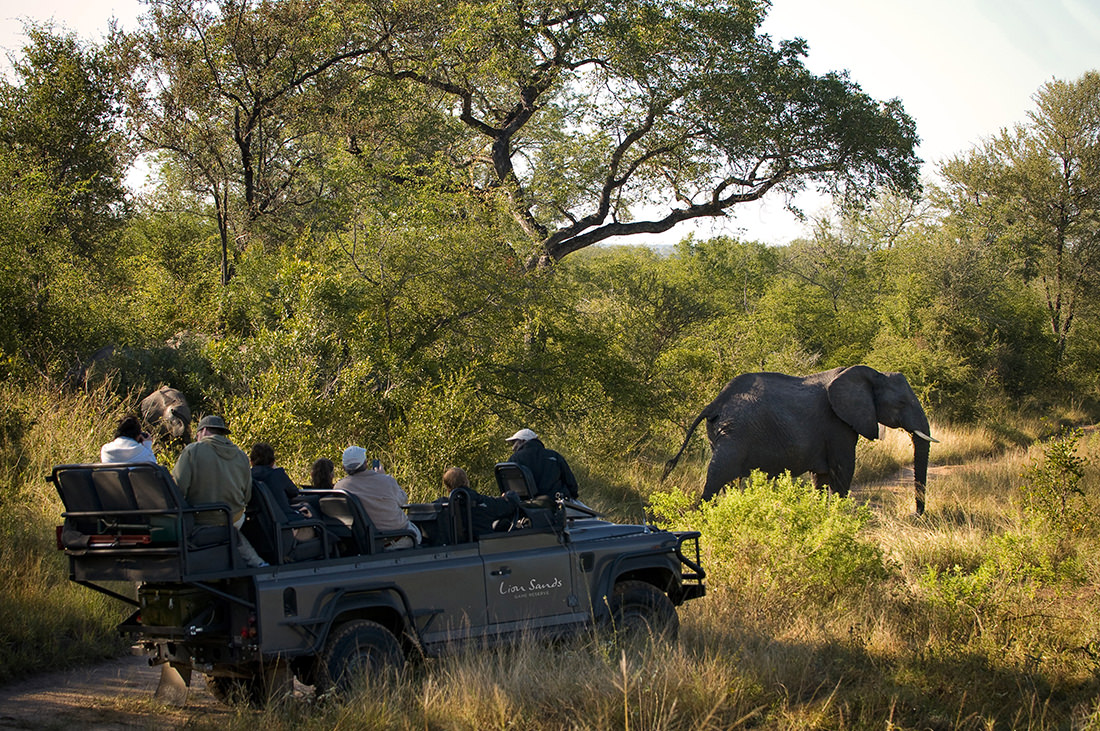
(1052, 489)
(780, 544)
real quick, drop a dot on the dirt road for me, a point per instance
(110, 696)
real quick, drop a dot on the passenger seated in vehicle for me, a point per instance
(279, 485)
(489, 514)
(380, 495)
(213, 470)
(549, 469)
(322, 474)
(130, 444)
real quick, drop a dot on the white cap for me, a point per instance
(354, 457)
(523, 435)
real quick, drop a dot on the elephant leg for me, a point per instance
(821, 480)
(725, 467)
(840, 478)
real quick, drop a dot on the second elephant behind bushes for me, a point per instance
(167, 411)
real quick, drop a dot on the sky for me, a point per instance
(963, 69)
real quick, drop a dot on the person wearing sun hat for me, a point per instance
(550, 470)
(213, 469)
(380, 496)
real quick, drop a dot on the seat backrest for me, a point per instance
(154, 488)
(347, 509)
(515, 477)
(77, 490)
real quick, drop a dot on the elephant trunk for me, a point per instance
(921, 447)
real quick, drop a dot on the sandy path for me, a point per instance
(117, 694)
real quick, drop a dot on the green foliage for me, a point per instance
(1052, 489)
(780, 544)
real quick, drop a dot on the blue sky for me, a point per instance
(964, 69)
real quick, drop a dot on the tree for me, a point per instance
(62, 118)
(1035, 190)
(235, 96)
(587, 115)
(62, 157)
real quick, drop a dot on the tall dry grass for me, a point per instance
(980, 620)
(47, 621)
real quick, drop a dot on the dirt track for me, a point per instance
(117, 694)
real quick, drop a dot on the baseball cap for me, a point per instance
(523, 435)
(354, 457)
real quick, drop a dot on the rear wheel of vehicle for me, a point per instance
(272, 682)
(642, 611)
(357, 651)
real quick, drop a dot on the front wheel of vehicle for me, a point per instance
(642, 611)
(357, 651)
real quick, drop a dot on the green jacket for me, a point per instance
(214, 471)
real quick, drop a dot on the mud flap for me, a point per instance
(174, 685)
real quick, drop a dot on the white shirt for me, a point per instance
(125, 449)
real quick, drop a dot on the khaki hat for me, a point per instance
(523, 435)
(213, 422)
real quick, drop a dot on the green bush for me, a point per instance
(1052, 490)
(780, 544)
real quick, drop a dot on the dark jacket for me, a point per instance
(279, 485)
(550, 470)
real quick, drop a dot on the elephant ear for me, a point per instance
(852, 396)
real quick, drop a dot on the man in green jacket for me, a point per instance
(214, 470)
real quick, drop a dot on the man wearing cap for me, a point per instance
(380, 495)
(213, 470)
(550, 470)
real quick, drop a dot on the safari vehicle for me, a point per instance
(333, 604)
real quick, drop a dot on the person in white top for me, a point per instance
(130, 444)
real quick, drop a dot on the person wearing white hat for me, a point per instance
(380, 496)
(549, 469)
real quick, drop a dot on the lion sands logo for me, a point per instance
(533, 588)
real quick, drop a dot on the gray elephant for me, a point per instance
(775, 422)
(167, 410)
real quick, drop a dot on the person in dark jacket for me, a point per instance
(550, 470)
(279, 485)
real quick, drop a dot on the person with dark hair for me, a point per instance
(549, 469)
(322, 474)
(130, 444)
(279, 485)
(214, 470)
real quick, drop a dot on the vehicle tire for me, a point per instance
(236, 691)
(641, 611)
(273, 681)
(357, 650)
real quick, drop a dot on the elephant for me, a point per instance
(776, 422)
(167, 410)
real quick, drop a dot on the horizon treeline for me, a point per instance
(409, 228)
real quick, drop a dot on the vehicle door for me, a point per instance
(529, 581)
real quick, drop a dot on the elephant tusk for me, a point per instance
(925, 437)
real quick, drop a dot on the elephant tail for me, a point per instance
(669, 465)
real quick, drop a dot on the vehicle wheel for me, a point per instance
(236, 691)
(642, 611)
(274, 681)
(355, 651)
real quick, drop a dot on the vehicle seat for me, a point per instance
(275, 536)
(515, 477)
(360, 535)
